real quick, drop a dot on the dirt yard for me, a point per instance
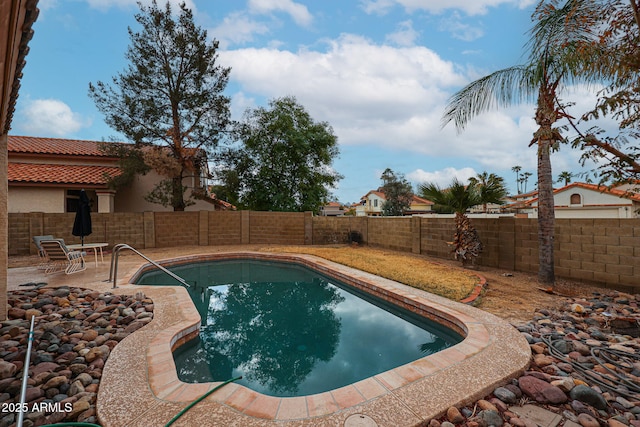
(513, 296)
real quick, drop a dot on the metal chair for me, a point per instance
(43, 257)
(59, 256)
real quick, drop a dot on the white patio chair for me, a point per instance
(59, 256)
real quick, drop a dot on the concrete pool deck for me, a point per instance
(140, 386)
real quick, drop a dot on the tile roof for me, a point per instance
(414, 199)
(593, 187)
(57, 146)
(59, 174)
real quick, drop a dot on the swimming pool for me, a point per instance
(150, 392)
(292, 331)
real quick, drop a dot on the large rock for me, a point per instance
(7, 369)
(589, 396)
(540, 390)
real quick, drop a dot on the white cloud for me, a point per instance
(384, 96)
(125, 4)
(442, 178)
(476, 7)
(459, 29)
(298, 12)
(404, 36)
(50, 117)
(378, 7)
(238, 28)
(392, 98)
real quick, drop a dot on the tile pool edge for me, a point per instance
(491, 352)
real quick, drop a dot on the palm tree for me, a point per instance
(460, 198)
(525, 180)
(490, 187)
(565, 177)
(553, 62)
(517, 170)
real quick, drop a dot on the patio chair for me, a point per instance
(43, 257)
(59, 256)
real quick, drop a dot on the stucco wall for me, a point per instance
(31, 199)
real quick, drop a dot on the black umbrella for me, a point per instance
(82, 223)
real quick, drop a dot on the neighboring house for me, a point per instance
(332, 209)
(371, 205)
(581, 200)
(494, 208)
(47, 174)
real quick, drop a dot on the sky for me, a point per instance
(380, 72)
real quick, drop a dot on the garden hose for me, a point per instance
(192, 404)
(630, 391)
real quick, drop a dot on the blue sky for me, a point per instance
(379, 71)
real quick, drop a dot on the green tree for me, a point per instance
(565, 177)
(490, 187)
(524, 180)
(459, 198)
(610, 52)
(550, 67)
(283, 159)
(397, 192)
(169, 100)
(517, 170)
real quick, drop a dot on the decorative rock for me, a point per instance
(541, 390)
(7, 369)
(612, 422)
(97, 352)
(486, 405)
(588, 395)
(505, 395)
(565, 384)
(55, 382)
(491, 418)
(587, 420)
(78, 407)
(454, 415)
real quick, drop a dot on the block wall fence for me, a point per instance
(601, 251)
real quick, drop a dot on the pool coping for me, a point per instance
(491, 353)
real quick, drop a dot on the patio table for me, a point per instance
(95, 247)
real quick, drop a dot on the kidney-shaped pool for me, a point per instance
(291, 331)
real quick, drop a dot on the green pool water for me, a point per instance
(290, 331)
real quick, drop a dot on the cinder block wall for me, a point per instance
(225, 228)
(278, 228)
(391, 233)
(176, 229)
(604, 251)
(330, 230)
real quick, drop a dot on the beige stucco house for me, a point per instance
(371, 205)
(47, 174)
(582, 200)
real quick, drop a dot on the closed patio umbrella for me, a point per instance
(82, 222)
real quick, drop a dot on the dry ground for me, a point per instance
(513, 296)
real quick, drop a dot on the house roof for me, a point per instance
(55, 146)
(30, 173)
(17, 18)
(414, 201)
(592, 187)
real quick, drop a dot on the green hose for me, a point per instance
(195, 402)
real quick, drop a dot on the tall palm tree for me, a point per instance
(554, 61)
(517, 170)
(525, 180)
(490, 187)
(459, 198)
(565, 177)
